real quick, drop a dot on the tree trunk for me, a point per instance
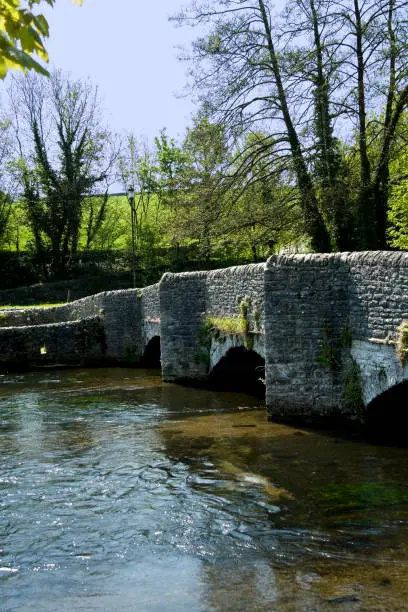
(333, 197)
(365, 205)
(314, 223)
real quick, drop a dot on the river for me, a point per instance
(121, 492)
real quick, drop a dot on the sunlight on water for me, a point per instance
(119, 491)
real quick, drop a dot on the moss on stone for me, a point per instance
(353, 392)
(328, 350)
(236, 324)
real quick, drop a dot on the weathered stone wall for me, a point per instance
(378, 306)
(72, 343)
(187, 299)
(378, 293)
(227, 288)
(120, 312)
(182, 308)
(150, 314)
(324, 313)
(306, 310)
(122, 321)
(17, 317)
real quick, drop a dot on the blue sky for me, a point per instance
(127, 48)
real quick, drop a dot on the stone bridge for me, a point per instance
(328, 329)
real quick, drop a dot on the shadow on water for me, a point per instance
(240, 370)
(387, 417)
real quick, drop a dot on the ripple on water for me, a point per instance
(119, 491)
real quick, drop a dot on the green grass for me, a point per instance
(116, 228)
(31, 306)
(227, 325)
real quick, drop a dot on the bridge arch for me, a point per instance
(379, 367)
(239, 369)
(387, 416)
(151, 357)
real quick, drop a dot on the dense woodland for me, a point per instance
(299, 144)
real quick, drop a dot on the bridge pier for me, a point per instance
(331, 326)
(306, 314)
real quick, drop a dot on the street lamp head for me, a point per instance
(131, 192)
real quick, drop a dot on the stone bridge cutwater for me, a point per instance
(330, 329)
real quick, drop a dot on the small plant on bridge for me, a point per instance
(216, 327)
(257, 317)
(244, 307)
(225, 325)
(204, 342)
(402, 343)
(329, 349)
(244, 314)
(353, 393)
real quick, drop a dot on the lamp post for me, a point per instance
(131, 198)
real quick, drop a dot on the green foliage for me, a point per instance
(226, 325)
(233, 325)
(21, 36)
(353, 394)
(204, 342)
(331, 345)
(204, 334)
(67, 155)
(244, 307)
(398, 196)
(402, 343)
(37, 306)
(329, 350)
(346, 337)
(297, 75)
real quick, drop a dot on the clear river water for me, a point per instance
(118, 491)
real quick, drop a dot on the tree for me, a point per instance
(239, 77)
(372, 41)
(263, 211)
(105, 232)
(6, 187)
(65, 154)
(22, 33)
(326, 65)
(171, 161)
(309, 31)
(137, 171)
(203, 186)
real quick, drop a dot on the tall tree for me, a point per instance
(373, 38)
(7, 188)
(138, 171)
(239, 76)
(310, 33)
(65, 154)
(206, 154)
(326, 65)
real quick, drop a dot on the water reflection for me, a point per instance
(121, 491)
